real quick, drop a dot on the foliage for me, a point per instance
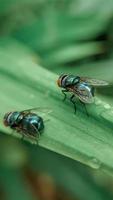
(39, 41)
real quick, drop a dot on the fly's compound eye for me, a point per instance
(60, 81)
(6, 119)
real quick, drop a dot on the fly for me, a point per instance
(81, 87)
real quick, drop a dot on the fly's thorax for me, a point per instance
(32, 123)
(67, 80)
(71, 80)
(10, 118)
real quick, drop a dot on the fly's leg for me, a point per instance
(27, 135)
(15, 130)
(85, 107)
(21, 133)
(33, 136)
(64, 93)
(72, 100)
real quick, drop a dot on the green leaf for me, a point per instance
(69, 174)
(73, 53)
(56, 30)
(66, 173)
(59, 25)
(25, 84)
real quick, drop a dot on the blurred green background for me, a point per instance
(73, 36)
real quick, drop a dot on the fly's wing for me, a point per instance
(34, 129)
(94, 82)
(30, 134)
(36, 109)
(84, 93)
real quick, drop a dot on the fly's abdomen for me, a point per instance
(32, 124)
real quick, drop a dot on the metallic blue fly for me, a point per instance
(25, 122)
(81, 87)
